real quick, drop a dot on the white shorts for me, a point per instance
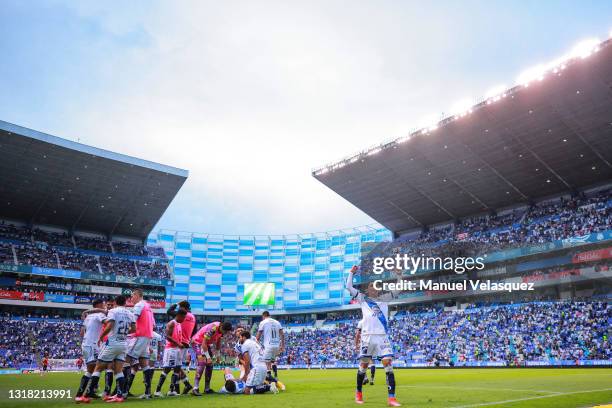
(256, 376)
(90, 353)
(109, 353)
(375, 345)
(138, 347)
(171, 358)
(270, 353)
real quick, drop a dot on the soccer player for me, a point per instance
(79, 363)
(171, 362)
(372, 365)
(270, 335)
(236, 386)
(138, 345)
(45, 363)
(108, 375)
(205, 337)
(120, 323)
(374, 338)
(90, 332)
(188, 327)
(254, 366)
(156, 339)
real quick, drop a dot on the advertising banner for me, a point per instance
(49, 297)
(107, 290)
(10, 294)
(62, 273)
(83, 299)
(148, 292)
(590, 256)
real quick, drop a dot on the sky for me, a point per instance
(250, 96)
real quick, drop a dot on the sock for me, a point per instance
(130, 380)
(199, 372)
(207, 377)
(108, 381)
(95, 378)
(390, 381)
(360, 376)
(275, 369)
(162, 378)
(185, 380)
(372, 371)
(147, 375)
(121, 384)
(174, 383)
(269, 375)
(83, 385)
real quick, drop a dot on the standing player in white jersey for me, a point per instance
(90, 331)
(270, 335)
(374, 338)
(357, 347)
(119, 323)
(254, 376)
(154, 349)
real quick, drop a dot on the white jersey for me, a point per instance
(155, 339)
(93, 328)
(123, 319)
(375, 313)
(270, 329)
(256, 352)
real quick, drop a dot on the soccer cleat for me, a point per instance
(171, 394)
(145, 396)
(82, 400)
(365, 380)
(187, 388)
(196, 393)
(108, 397)
(372, 382)
(209, 391)
(93, 395)
(116, 398)
(281, 386)
(392, 402)
(158, 394)
(273, 388)
(359, 397)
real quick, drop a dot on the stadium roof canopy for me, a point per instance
(45, 179)
(549, 135)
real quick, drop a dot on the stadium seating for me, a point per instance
(538, 331)
(511, 334)
(548, 221)
(36, 247)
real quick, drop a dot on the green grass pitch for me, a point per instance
(557, 388)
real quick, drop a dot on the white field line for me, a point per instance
(484, 404)
(454, 387)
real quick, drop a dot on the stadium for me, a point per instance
(522, 179)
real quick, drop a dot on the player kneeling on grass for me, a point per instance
(171, 360)
(374, 338)
(255, 369)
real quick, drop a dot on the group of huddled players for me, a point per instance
(120, 342)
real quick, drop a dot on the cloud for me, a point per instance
(250, 96)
